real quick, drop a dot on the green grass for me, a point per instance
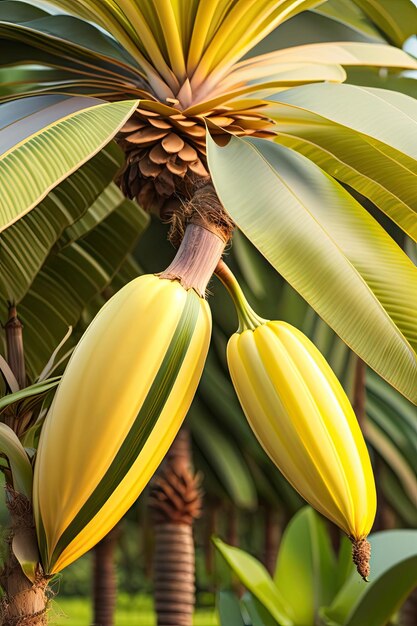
(135, 611)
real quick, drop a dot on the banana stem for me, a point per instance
(196, 259)
(248, 319)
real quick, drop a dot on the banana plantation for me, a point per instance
(208, 312)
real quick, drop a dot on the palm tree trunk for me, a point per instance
(175, 500)
(104, 579)
(24, 602)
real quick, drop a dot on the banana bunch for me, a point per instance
(121, 401)
(303, 419)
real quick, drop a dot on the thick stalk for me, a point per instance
(176, 501)
(196, 258)
(203, 228)
(24, 602)
(104, 579)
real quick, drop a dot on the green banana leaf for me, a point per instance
(67, 54)
(40, 145)
(365, 110)
(71, 277)
(87, 193)
(377, 162)
(313, 27)
(328, 247)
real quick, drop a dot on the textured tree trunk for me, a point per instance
(104, 579)
(175, 500)
(24, 602)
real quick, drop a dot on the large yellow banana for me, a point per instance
(121, 401)
(302, 417)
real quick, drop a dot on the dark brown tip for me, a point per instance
(361, 555)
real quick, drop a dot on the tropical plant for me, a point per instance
(183, 62)
(312, 585)
(204, 117)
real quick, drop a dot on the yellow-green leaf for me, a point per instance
(328, 247)
(39, 150)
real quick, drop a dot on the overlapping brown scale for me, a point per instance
(163, 146)
(172, 143)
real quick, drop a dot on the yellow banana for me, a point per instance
(302, 417)
(121, 401)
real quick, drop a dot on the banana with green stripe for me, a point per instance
(121, 401)
(303, 419)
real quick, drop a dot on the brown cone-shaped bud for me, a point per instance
(164, 149)
(175, 495)
(176, 498)
(361, 556)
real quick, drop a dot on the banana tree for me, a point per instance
(205, 118)
(183, 62)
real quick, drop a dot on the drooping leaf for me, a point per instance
(328, 247)
(27, 243)
(72, 277)
(386, 116)
(334, 53)
(40, 148)
(377, 161)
